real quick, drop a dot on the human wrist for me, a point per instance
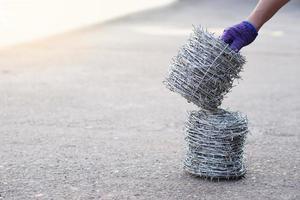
(254, 22)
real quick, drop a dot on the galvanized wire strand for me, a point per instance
(204, 69)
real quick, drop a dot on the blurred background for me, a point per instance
(84, 113)
(26, 20)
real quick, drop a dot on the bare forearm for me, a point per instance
(264, 10)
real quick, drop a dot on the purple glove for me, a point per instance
(239, 35)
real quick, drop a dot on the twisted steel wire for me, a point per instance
(215, 142)
(204, 69)
(203, 72)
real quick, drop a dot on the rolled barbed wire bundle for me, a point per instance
(204, 69)
(215, 142)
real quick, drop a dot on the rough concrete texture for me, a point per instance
(84, 115)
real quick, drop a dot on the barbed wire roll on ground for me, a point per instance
(215, 142)
(204, 69)
(203, 72)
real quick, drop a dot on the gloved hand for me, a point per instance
(239, 35)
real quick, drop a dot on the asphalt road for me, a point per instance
(84, 115)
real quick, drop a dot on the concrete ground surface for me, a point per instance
(84, 115)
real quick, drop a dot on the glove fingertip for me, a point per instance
(226, 38)
(235, 47)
